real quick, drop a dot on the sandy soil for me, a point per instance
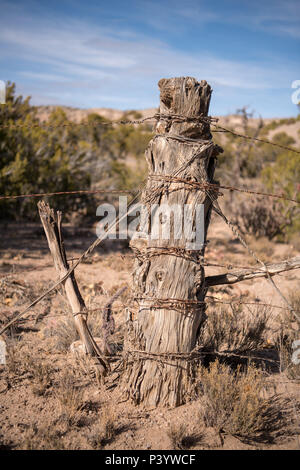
(29, 418)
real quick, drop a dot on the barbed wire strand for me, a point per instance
(237, 233)
(249, 137)
(194, 184)
(156, 117)
(61, 193)
(206, 185)
(107, 122)
(91, 248)
(99, 240)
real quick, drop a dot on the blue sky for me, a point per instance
(112, 53)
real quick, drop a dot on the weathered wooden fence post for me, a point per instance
(52, 225)
(169, 277)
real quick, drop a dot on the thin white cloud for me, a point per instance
(92, 54)
(43, 76)
(277, 17)
(74, 61)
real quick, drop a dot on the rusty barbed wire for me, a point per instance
(61, 193)
(215, 187)
(157, 251)
(249, 137)
(171, 303)
(194, 355)
(44, 124)
(239, 302)
(155, 117)
(195, 184)
(88, 252)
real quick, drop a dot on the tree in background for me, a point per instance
(264, 168)
(61, 155)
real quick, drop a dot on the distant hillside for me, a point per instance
(291, 126)
(76, 114)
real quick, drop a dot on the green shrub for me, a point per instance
(282, 177)
(61, 155)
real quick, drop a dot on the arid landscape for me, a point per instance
(149, 230)
(245, 391)
(50, 399)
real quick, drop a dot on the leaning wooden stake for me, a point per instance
(52, 225)
(169, 279)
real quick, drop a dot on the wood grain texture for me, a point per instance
(167, 276)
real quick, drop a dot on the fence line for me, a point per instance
(215, 206)
(50, 265)
(155, 117)
(213, 301)
(90, 249)
(61, 193)
(174, 118)
(264, 141)
(199, 185)
(44, 124)
(194, 184)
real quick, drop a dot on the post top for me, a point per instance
(184, 96)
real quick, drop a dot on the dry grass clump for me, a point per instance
(181, 438)
(13, 292)
(84, 366)
(42, 439)
(42, 374)
(289, 333)
(65, 333)
(70, 399)
(261, 218)
(104, 431)
(13, 359)
(232, 328)
(233, 403)
(21, 363)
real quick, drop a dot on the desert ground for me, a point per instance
(49, 396)
(245, 392)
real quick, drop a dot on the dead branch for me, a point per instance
(244, 274)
